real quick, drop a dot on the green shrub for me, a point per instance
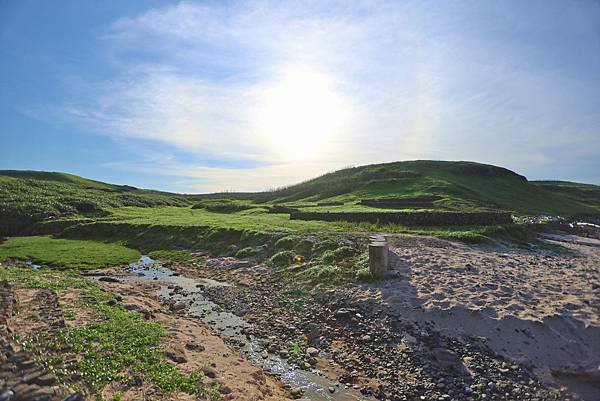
(284, 244)
(364, 275)
(343, 252)
(337, 255)
(327, 245)
(328, 257)
(222, 205)
(282, 259)
(245, 252)
(324, 274)
(304, 247)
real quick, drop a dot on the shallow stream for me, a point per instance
(315, 385)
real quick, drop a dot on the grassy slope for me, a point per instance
(590, 194)
(30, 196)
(461, 186)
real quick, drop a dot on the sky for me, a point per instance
(204, 96)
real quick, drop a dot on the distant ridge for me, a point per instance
(462, 186)
(445, 185)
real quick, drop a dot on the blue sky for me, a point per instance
(208, 96)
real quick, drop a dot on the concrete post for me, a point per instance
(378, 257)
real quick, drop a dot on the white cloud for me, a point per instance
(331, 85)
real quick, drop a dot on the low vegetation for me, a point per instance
(223, 205)
(245, 253)
(173, 255)
(116, 346)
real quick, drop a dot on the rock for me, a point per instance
(209, 372)
(194, 346)
(331, 390)
(366, 338)
(343, 313)
(445, 357)
(177, 306)
(296, 392)
(6, 395)
(41, 394)
(223, 389)
(46, 380)
(176, 354)
(30, 378)
(74, 397)
(312, 352)
(264, 354)
(135, 380)
(109, 279)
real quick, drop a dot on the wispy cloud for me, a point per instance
(311, 87)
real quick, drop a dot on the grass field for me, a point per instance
(67, 253)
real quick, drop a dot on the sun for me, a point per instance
(300, 114)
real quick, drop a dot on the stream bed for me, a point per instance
(189, 292)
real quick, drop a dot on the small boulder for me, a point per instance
(312, 352)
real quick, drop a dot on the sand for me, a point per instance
(534, 306)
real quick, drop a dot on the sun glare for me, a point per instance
(300, 114)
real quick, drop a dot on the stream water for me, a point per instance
(315, 385)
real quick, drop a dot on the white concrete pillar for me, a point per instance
(378, 257)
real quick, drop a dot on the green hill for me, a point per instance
(30, 196)
(27, 197)
(438, 185)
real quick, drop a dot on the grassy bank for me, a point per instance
(65, 253)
